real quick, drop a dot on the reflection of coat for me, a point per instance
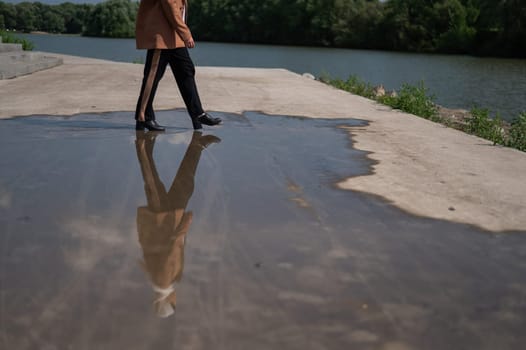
(160, 25)
(161, 235)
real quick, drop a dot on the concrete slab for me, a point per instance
(10, 47)
(421, 167)
(104, 229)
(18, 63)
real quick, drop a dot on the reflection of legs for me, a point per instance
(183, 185)
(153, 187)
(184, 72)
(163, 238)
(154, 69)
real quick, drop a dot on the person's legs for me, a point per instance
(150, 71)
(163, 62)
(156, 195)
(154, 69)
(183, 70)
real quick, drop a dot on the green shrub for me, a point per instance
(416, 100)
(353, 85)
(8, 38)
(413, 99)
(482, 125)
(517, 133)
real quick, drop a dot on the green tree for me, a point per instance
(26, 16)
(425, 25)
(501, 27)
(406, 25)
(8, 11)
(487, 27)
(74, 16)
(355, 23)
(52, 21)
(514, 27)
(113, 18)
(456, 31)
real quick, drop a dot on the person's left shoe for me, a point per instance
(154, 122)
(151, 125)
(207, 119)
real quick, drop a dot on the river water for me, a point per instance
(455, 81)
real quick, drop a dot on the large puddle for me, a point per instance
(234, 238)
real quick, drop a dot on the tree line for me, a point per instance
(113, 18)
(480, 27)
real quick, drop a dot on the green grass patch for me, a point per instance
(411, 99)
(353, 85)
(415, 99)
(496, 130)
(517, 133)
(482, 125)
(8, 38)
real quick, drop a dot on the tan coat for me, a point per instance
(160, 25)
(161, 236)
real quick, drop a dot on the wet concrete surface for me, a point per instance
(103, 231)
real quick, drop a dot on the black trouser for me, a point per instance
(184, 72)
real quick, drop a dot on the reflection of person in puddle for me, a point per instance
(164, 222)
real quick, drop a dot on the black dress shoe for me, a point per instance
(151, 125)
(196, 124)
(206, 119)
(157, 124)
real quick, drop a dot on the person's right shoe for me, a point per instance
(154, 122)
(205, 119)
(151, 125)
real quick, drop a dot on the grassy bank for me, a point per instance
(415, 99)
(8, 38)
